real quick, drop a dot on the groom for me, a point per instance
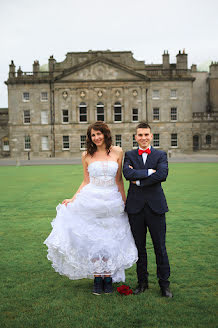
(146, 205)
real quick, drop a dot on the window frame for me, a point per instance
(100, 105)
(26, 116)
(27, 142)
(82, 142)
(46, 116)
(41, 97)
(134, 142)
(158, 140)
(171, 114)
(65, 116)
(46, 149)
(24, 98)
(83, 105)
(135, 115)
(155, 114)
(64, 141)
(173, 140)
(116, 106)
(171, 96)
(208, 139)
(118, 142)
(153, 93)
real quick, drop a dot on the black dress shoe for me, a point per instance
(166, 292)
(140, 288)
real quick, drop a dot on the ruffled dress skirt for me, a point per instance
(91, 236)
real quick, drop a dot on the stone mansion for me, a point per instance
(49, 111)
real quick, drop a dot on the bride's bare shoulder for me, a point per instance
(117, 149)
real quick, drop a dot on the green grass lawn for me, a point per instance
(33, 295)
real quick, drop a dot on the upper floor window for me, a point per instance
(118, 140)
(173, 114)
(83, 142)
(44, 142)
(156, 140)
(65, 116)
(100, 112)
(208, 139)
(174, 142)
(156, 114)
(135, 116)
(26, 116)
(44, 96)
(66, 142)
(44, 117)
(83, 112)
(173, 93)
(26, 96)
(117, 112)
(6, 144)
(155, 94)
(134, 142)
(27, 143)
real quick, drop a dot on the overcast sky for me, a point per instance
(31, 30)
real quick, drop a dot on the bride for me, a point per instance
(91, 236)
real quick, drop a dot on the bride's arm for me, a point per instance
(119, 177)
(85, 179)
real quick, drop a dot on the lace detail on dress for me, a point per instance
(103, 173)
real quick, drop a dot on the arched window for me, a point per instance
(208, 139)
(82, 112)
(100, 112)
(117, 112)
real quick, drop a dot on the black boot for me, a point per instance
(142, 286)
(108, 288)
(98, 286)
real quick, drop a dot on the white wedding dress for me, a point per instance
(92, 235)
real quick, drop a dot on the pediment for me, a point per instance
(100, 70)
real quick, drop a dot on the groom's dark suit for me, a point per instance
(146, 206)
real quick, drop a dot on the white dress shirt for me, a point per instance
(144, 158)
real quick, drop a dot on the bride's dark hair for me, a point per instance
(98, 126)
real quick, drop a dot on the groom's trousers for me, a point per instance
(156, 223)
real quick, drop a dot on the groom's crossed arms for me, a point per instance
(145, 177)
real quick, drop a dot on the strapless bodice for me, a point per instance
(103, 173)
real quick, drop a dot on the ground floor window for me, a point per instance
(44, 142)
(174, 142)
(208, 139)
(118, 140)
(6, 144)
(66, 142)
(134, 142)
(156, 140)
(83, 142)
(27, 143)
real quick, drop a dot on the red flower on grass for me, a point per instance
(124, 290)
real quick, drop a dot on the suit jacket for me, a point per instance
(150, 190)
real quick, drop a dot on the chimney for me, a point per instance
(36, 67)
(11, 70)
(166, 60)
(194, 68)
(19, 72)
(182, 60)
(51, 64)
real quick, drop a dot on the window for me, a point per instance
(82, 142)
(6, 144)
(117, 112)
(173, 114)
(26, 96)
(134, 142)
(173, 93)
(65, 116)
(44, 96)
(156, 114)
(135, 116)
(27, 143)
(100, 112)
(174, 140)
(156, 140)
(155, 94)
(118, 140)
(208, 139)
(83, 112)
(66, 143)
(44, 142)
(26, 116)
(44, 117)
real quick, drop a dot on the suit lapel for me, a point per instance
(140, 160)
(149, 158)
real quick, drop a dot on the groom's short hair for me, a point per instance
(143, 125)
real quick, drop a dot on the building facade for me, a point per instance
(49, 112)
